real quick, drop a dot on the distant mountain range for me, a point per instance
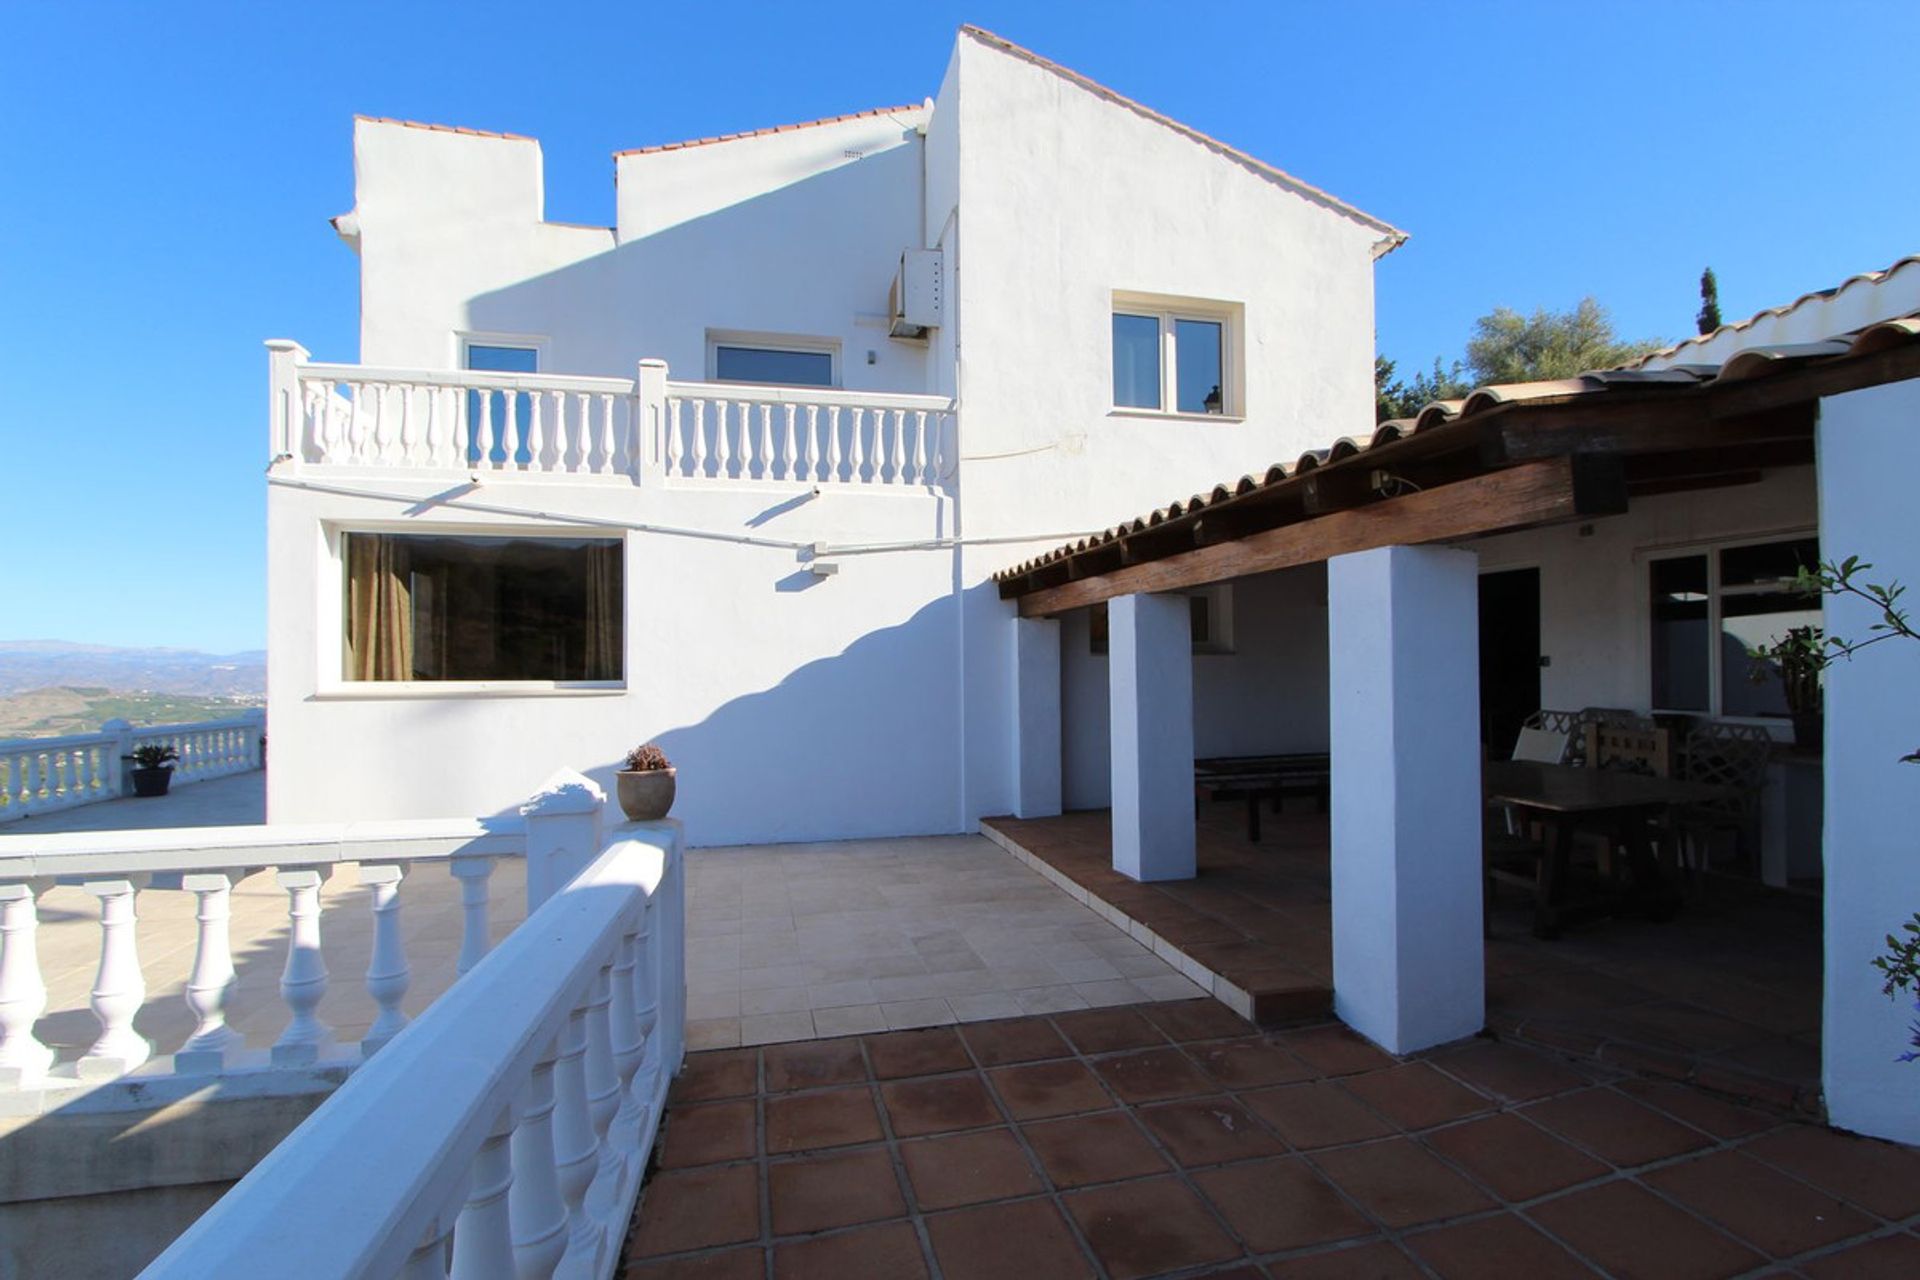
(47, 664)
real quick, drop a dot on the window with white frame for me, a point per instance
(506, 413)
(454, 607)
(1171, 356)
(773, 359)
(1709, 609)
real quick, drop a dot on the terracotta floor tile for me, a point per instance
(1149, 1075)
(1400, 1183)
(891, 1250)
(1106, 1030)
(1510, 1072)
(813, 1064)
(734, 1264)
(1281, 1204)
(1334, 1050)
(1415, 1096)
(1147, 1227)
(968, 1168)
(821, 1192)
(938, 1105)
(1615, 1127)
(698, 1209)
(834, 1118)
(1036, 1090)
(1248, 1064)
(1202, 1131)
(1516, 1159)
(1028, 1239)
(1492, 1248)
(899, 1054)
(1083, 1150)
(1374, 1261)
(708, 1133)
(1888, 1258)
(1702, 1110)
(1318, 1114)
(1877, 1176)
(1019, 1040)
(1759, 1204)
(1638, 1236)
(1206, 1019)
(724, 1073)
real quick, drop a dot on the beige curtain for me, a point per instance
(379, 611)
(605, 611)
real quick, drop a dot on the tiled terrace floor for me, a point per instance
(238, 800)
(1174, 1140)
(787, 942)
(1727, 994)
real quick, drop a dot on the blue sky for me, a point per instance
(169, 170)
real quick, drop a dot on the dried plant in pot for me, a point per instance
(152, 769)
(645, 784)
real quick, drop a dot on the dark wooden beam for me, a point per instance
(1680, 423)
(1336, 488)
(1536, 493)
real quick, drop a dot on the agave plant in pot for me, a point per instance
(152, 768)
(645, 784)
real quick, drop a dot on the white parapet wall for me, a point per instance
(41, 775)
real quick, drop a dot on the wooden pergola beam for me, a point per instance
(1536, 493)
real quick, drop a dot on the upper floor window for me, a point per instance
(1710, 609)
(1173, 357)
(506, 413)
(438, 607)
(785, 362)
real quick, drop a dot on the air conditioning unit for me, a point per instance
(915, 298)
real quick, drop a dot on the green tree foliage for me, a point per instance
(1509, 347)
(1709, 318)
(1394, 398)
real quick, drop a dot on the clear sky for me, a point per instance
(168, 171)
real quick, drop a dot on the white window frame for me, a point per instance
(1716, 681)
(330, 616)
(536, 343)
(1168, 310)
(804, 344)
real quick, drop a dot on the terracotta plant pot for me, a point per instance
(151, 782)
(647, 794)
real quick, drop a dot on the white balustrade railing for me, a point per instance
(117, 867)
(505, 1133)
(39, 775)
(639, 430)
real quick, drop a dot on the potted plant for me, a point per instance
(1797, 658)
(152, 769)
(645, 784)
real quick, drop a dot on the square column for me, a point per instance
(1150, 687)
(1403, 666)
(1036, 717)
(1867, 448)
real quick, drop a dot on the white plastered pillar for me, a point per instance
(1036, 717)
(1403, 666)
(1868, 450)
(1150, 688)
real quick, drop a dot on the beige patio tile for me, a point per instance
(849, 1020)
(907, 1014)
(773, 1028)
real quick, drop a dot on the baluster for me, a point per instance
(671, 452)
(892, 454)
(559, 432)
(211, 982)
(80, 760)
(576, 1145)
(473, 873)
(388, 976)
(629, 1049)
(603, 1081)
(858, 452)
(303, 983)
(534, 1207)
(428, 1261)
(766, 442)
(483, 1236)
(833, 443)
(430, 427)
(483, 429)
(30, 770)
(119, 988)
(458, 404)
(582, 428)
(609, 444)
(534, 444)
(788, 445)
(23, 995)
(699, 451)
(409, 432)
(722, 443)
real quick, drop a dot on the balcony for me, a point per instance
(644, 430)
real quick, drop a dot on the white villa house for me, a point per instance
(942, 469)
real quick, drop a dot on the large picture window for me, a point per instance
(435, 607)
(1710, 609)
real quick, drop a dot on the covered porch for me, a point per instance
(1339, 606)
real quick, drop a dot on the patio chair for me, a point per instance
(1629, 749)
(1723, 755)
(1565, 723)
(1510, 849)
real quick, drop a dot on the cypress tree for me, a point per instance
(1709, 318)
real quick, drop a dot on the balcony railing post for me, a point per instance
(119, 987)
(211, 981)
(284, 358)
(649, 419)
(563, 833)
(118, 779)
(23, 994)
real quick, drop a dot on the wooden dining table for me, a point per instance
(1624, 808)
